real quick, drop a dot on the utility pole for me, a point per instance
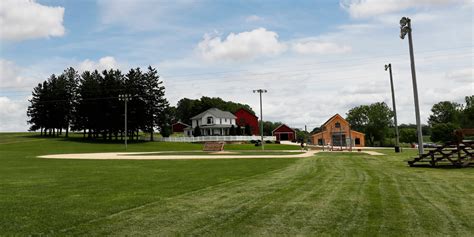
(260, 91)
(397, 139)
(405, 28)
(125, 98)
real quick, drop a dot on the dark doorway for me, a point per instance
(283, 136)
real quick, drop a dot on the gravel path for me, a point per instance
(137, 156)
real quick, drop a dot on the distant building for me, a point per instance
(245, 117)
(178, 127)
(212, 122)
(336, 131)
(284, 133)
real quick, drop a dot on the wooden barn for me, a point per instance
(245, 117)
(284, 133)
(178, 127)
(336, 131)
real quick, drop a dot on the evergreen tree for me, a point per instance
(238, 131)
(197, 131)
(232, 131)
(248, 130)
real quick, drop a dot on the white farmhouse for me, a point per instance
(212, 122)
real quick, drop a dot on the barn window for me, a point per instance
(210, 120)
(338, 125)
(357, 141)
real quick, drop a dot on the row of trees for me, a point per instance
(89, 102)
(376, 121)
(447, 116)
(187, 108)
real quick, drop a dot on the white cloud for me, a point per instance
(253, 18)
(319, 47)
(13, 115)
(461, 75)
(11, 75)
(241, 46)
(26, 19)
(369, 8)
(104, 63)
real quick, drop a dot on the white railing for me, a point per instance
(215, 139)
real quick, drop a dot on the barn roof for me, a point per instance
(331, 118)
(282, 126)
(179, 122)
(217, 113)
(246, 110)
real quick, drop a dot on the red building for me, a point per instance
(284, 133)
(178, 127)
(245, 117)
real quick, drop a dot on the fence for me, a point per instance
(216, 139)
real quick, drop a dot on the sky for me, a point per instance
(315, 58)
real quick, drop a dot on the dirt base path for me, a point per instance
(144, 156)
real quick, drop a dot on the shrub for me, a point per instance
(443, 132)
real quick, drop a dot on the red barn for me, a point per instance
(284, 133)
(246, 117)
(178, 127)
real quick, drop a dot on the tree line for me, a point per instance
(89, 102)
(376, 121)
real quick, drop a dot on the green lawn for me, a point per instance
(328, 194)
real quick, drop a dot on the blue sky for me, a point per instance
(316, 58)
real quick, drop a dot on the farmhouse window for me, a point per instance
(338, 125)
(209, 120)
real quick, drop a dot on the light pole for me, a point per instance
(125, 98)
(405, 28)
(397, 139)
(260, 91)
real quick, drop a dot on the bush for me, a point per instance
(408, 135)
(268, 142)
(443, 132)
(253, 141)
(277, 142)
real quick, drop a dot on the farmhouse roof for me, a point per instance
(217, 113)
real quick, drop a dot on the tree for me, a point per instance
(268, 127)
(445, 112)
(316, 130)
(408, 135)
(443, 132)
(238, 131)
(374, 120)
(232, 131)
(197, 131)
(467, 115)
(248, 130)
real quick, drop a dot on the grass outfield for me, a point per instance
(329, 194)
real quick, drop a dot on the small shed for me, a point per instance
(284, 133)
(178, 127)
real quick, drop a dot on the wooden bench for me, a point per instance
(213, 146)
